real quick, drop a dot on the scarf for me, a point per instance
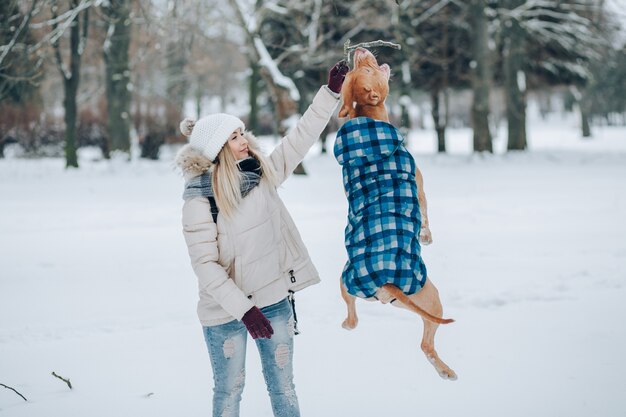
(201, 186)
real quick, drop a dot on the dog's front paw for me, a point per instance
(426, 238)
(350, 323)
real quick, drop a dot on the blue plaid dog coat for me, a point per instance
(382, 235)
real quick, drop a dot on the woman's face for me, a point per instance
(238, 145)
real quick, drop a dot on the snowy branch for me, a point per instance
(582, 6)
(65, 72)
(267, 62)
(569, 37)
(293, 49)
(275, 8)
(107, 41)
(559, 26)
(313, 27)
(557, 68)
(60, 23)
(354, 31)
(25, 22)
(347, 48)
(251, 26)
(260, 51)
(83, 37)
(70, 14)
(430, 12)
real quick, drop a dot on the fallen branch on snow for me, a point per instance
(15, 391)
(67, 381)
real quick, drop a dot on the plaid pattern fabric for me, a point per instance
(382, 235)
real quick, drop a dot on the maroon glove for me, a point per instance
(336, 75)
(257, 324)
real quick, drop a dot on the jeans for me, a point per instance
(227, 350)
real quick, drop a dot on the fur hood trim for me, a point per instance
(193, 163)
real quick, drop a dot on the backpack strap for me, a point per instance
(214, 209)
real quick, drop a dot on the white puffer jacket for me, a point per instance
(256, 256)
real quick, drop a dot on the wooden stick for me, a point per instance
(347, 48)
(67, 381)
(15, 391)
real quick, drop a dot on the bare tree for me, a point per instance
(19, 63)
(548, 40)
(178, 46)
(117, 73)
(481, 76)
(283, 91)
(77, 19)
(437, 51)
(515, 79)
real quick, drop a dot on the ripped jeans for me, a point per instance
(227, 349)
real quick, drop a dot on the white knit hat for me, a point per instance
(211, 133)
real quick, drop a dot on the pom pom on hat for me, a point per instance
(210, 133)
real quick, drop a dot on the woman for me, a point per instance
(245, 248)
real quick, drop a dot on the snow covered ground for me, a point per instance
(529, 257)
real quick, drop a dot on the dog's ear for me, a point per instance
(347, 96)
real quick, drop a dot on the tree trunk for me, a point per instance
(405, 99)
(515, 81)
(585, 124)
(304, 105)
(253, 118)
(405, 120)
(71, 81)
(71, 112)
(198, 97)
(584, 114)
(439, 127)
(481, 77)
(177, 49)
(285, 106)
(118, 75)
(323, 137)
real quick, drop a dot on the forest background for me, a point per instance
(114, 73)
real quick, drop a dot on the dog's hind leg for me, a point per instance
(352, 320)
(428, 297)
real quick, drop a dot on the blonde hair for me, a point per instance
(226, 177)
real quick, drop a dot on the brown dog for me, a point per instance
(364, 92)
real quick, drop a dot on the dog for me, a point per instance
(381, 180)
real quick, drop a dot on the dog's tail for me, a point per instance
(402, 297)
